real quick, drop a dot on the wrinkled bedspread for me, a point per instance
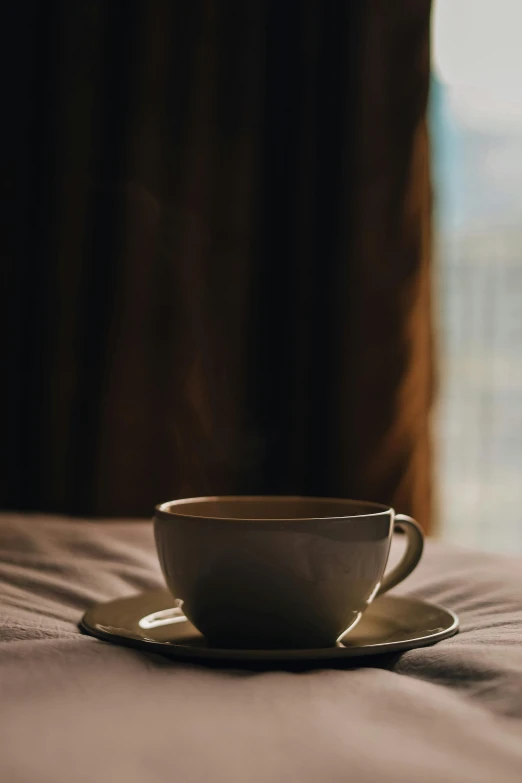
(76, 709)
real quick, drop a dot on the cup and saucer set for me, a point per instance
(276, 579)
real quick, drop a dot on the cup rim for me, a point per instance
(164, 510)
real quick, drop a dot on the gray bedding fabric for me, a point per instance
(73, 708)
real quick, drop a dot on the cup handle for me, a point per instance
(412, 555)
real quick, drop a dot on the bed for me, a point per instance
(74, 708)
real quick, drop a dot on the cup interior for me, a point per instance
(283, 508)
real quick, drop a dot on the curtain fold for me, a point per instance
(218, 253)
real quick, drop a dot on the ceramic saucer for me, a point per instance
(151, 622)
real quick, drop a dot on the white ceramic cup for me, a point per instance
(284, 572)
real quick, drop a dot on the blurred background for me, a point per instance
(267, 247)
(476, 129)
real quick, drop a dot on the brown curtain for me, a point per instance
(217, 252)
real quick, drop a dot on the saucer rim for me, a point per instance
(186, 651)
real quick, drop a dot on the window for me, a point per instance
(476, 125)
